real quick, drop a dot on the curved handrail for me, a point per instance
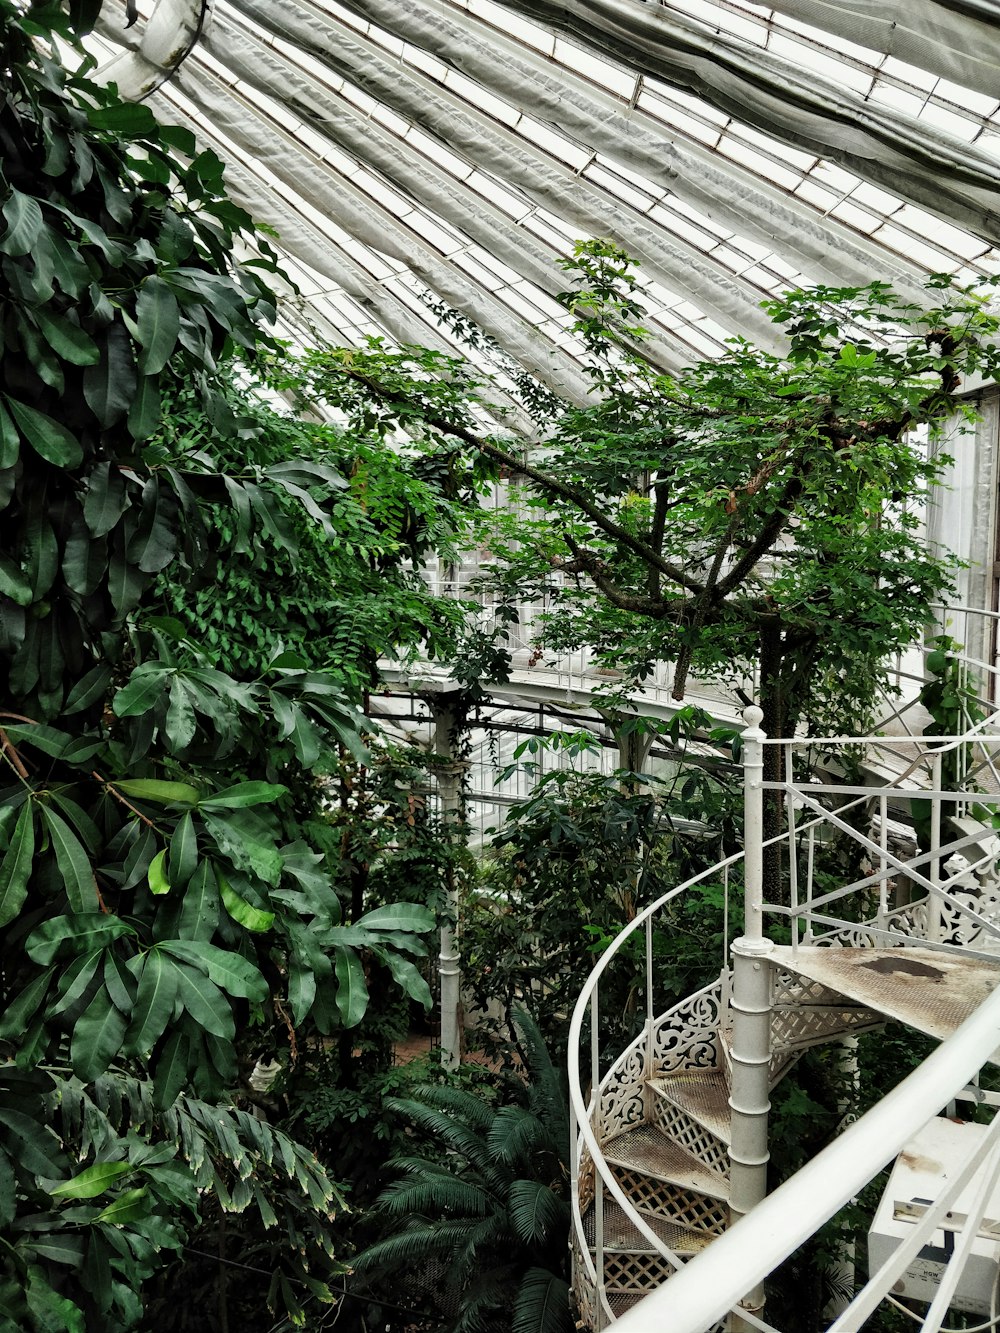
(581, 1112)
(713, 1282)
(585, 1139)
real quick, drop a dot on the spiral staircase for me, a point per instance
(671, 1146)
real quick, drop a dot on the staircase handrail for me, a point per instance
(580, 1111)
(712, 1283)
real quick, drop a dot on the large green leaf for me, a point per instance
(199, 915)
(19, 1012)
(38, 1148)
(183, 852)
(14, 582)
(158, 881)
(234, 974)
(16, 868)
(126, 120)
(181, 722)
(155, 541)
(97, 1037)
(10, 440)
(154, 1003)
(64, 936)
(243, 794)
(399, 916)
(8, 1191)
(412, 981)
(109, 386)
(49, 438)
(171, 1070)
(157, 791)
(158, 323)
(205, 1002)
(245, 851)
(25, 224)
(144, 689)
(74, 863)
(40, 555)
(106, 499)
(250, 917)
(352, 992)
(49, 1310)
(133, 1205)
(67, 339)
(93, 1180)
(74, 983)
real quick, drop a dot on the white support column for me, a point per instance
(751, 1009)
(449, 786)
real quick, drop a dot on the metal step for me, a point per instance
(702, 1094)
(622, 1236)
(931, 991)
(650, 1152)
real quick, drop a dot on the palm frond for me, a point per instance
(548, 1097)
(441, 1125)
(542, 1304)
(416, 1244)
(436, 1198)
(535, 1212)
(470, 1108)
(516, 1136)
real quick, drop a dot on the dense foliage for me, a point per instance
(754, 514)
(163, 903)
(578, 859)
(480, 1224)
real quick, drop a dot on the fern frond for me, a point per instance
(435, 1198)
(542, 1304)
(416, 1244)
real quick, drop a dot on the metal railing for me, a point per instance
(901, 898)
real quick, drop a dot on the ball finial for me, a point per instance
(753, 716)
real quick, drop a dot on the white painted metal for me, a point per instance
(449, 966)
(712, 1283)
(951, 872)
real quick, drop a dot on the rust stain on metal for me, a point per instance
(909, 966)
(916, 1162)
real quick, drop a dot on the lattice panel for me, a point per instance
(810, 1026)
(687, 1208)
(582, 1287)
(692, 1137)
(635, 1272)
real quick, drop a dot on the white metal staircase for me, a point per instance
(672, 1138)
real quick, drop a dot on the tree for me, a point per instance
(159, 891)
(335, 579)
(751, 514)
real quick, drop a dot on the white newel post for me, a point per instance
(449, 787)
(751, 1008)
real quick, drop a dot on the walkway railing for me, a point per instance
(947, 897)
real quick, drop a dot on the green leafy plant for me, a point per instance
(489, 1207)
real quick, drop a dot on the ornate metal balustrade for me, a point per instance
(669, 1134)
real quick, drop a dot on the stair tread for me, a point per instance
(931, 991)
(702, 1093)
(647, 1149)
(623, 1236)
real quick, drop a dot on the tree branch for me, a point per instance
(543, 480)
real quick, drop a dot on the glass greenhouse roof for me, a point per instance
(444, 154)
